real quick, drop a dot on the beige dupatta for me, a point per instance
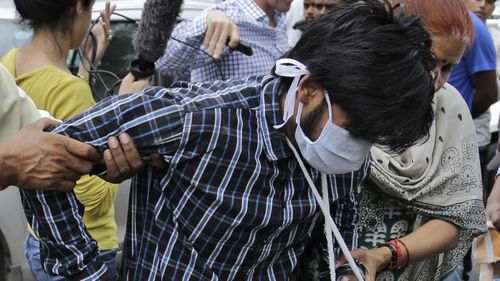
(440, 178)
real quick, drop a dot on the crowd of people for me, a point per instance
(337, 151)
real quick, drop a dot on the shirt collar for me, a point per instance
(270, 114)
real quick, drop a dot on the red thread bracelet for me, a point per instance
(396, 247)
(406, 249)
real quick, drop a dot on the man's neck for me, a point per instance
(290, 125)
(268, 10)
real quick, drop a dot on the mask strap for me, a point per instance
(329, 103)
(328, 233)
(325, 208)
(295, 69)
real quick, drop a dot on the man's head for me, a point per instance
(325, 6)
(488, 9)
(310, 11)
(376, 69)
(478, 7)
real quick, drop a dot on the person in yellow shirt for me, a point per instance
(40, 69)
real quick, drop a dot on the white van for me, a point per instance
(13, 264)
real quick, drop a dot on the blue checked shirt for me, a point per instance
(233, 203)
(268, 44)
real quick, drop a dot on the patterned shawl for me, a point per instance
(440, 179)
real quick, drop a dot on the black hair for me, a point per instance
(53, 14)
(377, 67)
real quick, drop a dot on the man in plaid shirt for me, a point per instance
(236, 202)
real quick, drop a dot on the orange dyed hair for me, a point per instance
(448, 18)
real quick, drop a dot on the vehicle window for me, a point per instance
(13, 36)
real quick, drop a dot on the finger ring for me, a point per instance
(109, 37)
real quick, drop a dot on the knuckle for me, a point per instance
(123, 169)
(136, 165)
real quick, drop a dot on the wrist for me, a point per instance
(494, 197)
(384, 254)
(8, 174)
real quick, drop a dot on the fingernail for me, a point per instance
(124, 138)
(107, 155)
(113, 143)
(344, 279)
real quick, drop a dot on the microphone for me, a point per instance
(243, 47)
(155, 28)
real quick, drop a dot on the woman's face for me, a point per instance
(81, 22)
(476, 6)
(448, 51)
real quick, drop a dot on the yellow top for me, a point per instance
(64, 96)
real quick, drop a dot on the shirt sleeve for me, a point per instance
(481, 55)
(183, 49)
(154, 122)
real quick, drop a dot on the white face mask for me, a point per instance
(336, 151)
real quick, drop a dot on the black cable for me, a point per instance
(204, 52)
(94, 72)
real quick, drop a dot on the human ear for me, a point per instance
(79, 8)
(309, 89)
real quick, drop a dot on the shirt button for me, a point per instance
(283, 204)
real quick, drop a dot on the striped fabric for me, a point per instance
(233, 203)
(268, 45)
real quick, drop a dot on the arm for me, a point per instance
(480, 61)
(485, 83)
(102, 33)
(423, 243)
(154, 125)
(212, 29)
(33, 159)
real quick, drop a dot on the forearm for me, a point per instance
(426, 242)
(153, 123)
(82, 70)
(7, 176)
(494, 196)
(182, 48)
(66, 247)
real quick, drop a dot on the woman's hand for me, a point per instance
(102, 33)
(130, 85)
(374, 260)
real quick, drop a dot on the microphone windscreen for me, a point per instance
(158, 21)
